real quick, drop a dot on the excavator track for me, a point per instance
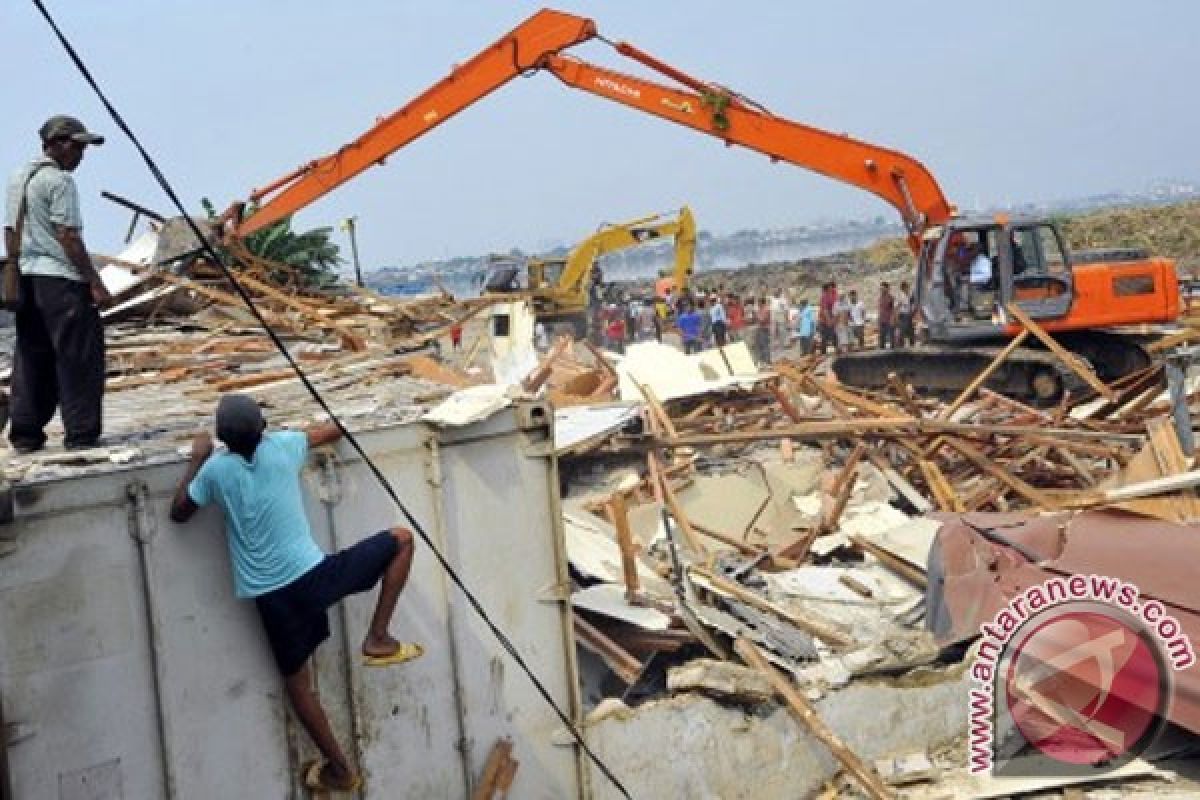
(1028, 374)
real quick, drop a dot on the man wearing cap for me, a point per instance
(276, 562)
(59, 357)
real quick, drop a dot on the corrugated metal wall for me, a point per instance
(129, 670)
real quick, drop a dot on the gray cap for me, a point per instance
(62, 126)
(239, 418)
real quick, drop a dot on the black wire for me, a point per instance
(211, 252)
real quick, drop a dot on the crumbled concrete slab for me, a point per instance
(724, 679)
(906, 769)
(728, 504)
(691, 746)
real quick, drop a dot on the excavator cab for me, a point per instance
(971, 269)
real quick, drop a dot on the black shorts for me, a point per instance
(294, 615)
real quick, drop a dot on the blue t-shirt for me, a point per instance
(689, 325)
(270, 543)
(807, 321)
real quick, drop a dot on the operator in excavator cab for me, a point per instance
(982, 280)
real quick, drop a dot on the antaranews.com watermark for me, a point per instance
(1072, 675)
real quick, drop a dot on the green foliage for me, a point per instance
(717, 102)
(312, 255)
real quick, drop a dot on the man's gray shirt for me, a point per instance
(52, 200)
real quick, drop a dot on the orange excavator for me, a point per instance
(1080, 298)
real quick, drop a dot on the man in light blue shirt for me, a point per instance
(806, 326)
(276, 562)
(720, 322)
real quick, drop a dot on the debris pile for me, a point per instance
(740, 534)
(719, 514)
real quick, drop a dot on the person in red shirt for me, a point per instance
(736, 315)
(887, 317)
(616, 333)
(826, 321)
(456, 336)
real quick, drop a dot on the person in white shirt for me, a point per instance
(981, 268)
(719, 321)
(982, 284)
(858, 319)
(841, 316)
(779, 319)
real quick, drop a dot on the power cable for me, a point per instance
(216, 258)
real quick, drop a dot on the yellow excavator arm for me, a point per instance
(571, 288)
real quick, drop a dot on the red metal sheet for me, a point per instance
(975, 577)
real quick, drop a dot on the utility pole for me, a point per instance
(348, 226)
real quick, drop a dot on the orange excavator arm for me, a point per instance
(518, 52)
(537, 44)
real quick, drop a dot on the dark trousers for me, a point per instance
(762, 344)
(906, 334)
(827, 339)
(887, 333)
(59, 361)
(718, 331)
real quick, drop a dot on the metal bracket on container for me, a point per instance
(554, 594)
(329, 484)
(142, 526)
(7, 507)
(534, 415)
(17, 732)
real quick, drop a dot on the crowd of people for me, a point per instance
(767, 321)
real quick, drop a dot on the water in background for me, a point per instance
(463, 277)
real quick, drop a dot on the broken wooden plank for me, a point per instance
(677, 513)
(900, 484)
(984, 463)
(1069, 359)
(982, 377)
(830, 636)
(618, 659)
(619, 514)
(808, 716)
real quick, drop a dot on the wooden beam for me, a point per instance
(1003, 475)
(672, 503)
(657, 409)
(910, 493)
(619, 513)
(1068, 358)
(618, 659)
(498, 772)
(830, 636)
(896, 564)
(807, 431)
(943, 493)
(1157, 486)
(804, 712)
(982, 377)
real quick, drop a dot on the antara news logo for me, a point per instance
(1073, 676)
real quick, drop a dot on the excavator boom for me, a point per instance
(518, 52)
(537, 44)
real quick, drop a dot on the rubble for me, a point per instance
(717, 513)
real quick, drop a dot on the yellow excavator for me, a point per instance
(561, 288)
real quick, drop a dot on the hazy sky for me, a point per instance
(1004, 102)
